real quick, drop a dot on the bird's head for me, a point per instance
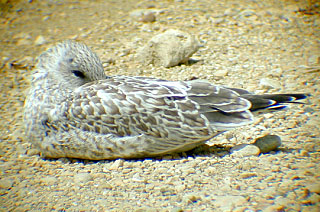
(69, 64)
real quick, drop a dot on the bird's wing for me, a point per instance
(130, 106)
(224, 108)
(138, 105)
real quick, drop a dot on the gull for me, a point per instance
(74, 110)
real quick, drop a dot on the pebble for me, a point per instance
(32, 152)
(221, 73)
(273, 208)
(105, 185)
(2, 153)
(168, 49)
(247, 175)
(229, 201)
(116, 164)
(230, 12)
(177, 209)
(49, 180)
(313, 199)
(268, 143)
(24, 41)
(314, 60)
(6, 183)
(304, 153)
(246, 13)
(244, 150)
(270, 83)
(140, 12)
(308, 110)
(180, 188)
(280, 200)
(193, 197)
(148, 17)
(277, 72)
(82, 177)
(40, 40)
(314, 187)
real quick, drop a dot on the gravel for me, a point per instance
(242, 43)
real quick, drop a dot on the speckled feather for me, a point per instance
(74, 110)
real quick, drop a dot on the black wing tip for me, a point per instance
(286, 98)
(298, 96)
(275, 101)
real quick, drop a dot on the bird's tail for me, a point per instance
(272, 101)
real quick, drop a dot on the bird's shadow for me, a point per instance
(204, 150)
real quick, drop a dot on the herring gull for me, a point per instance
(74, 110)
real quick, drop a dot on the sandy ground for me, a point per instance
(243, 42)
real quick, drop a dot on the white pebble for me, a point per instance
(244, 150)
(82, 177)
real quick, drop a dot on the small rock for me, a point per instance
(148, 17)
(180, 188)
(268, 115)
(229, 201)
(244, 150)
(314, 187)
(308, 110)
(168, 49)
(118, 183)
(246, 13)
(146, 28)
(194, 197)
(26, 60)
(116, 164)
(273, 208)
(230, 12)
(277, 72)
(280, 200)
(40, 40)
(218, 20)
(314, 60)
(177, 209)
(6, 183)
(22, 35)
(247, 175)
(105, 185)
(139, 13)
(304, 153)
(49, 180)
(165, 190)
(270, 83)
(82, 177)
(23, 41)
(32, 152)
(221, 73)
(2, 153)
(313, 199)
(45, 17)
(268, 143)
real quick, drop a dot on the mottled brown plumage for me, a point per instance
(74, 110)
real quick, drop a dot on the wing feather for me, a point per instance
(130, 106)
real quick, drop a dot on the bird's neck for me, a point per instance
(45, 98)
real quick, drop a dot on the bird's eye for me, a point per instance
(78, 74)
